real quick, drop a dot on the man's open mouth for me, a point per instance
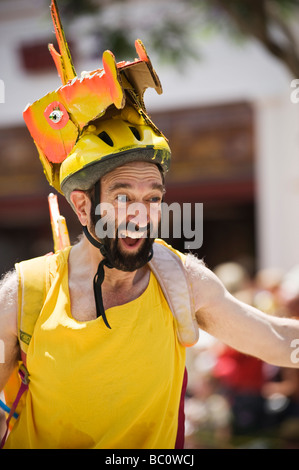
(132, 239)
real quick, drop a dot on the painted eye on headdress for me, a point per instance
(56, 115)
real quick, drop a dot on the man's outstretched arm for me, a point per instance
(241, 326)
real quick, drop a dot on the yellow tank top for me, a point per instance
(91, 387)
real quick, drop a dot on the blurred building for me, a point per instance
(233, 130)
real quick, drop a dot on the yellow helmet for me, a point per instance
(106, 145)
(96, 122)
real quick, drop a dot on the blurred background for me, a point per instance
(229, 109)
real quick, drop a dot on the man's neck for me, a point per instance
(86, 258)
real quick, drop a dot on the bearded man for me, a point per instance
(102, 326)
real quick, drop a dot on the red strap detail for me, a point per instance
(24, 358)
(23, 387)
(180, 438)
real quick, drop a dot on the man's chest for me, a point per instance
(82, 300)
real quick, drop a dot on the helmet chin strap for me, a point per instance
(99, 277)
(95, 243)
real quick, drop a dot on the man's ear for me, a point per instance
(82, 206)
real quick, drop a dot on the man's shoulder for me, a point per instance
(193, 264)
(34, 267)
(9, 287)
(35, 274)
(201, 280)
(194, 268)
(165, 246)
(9, 303)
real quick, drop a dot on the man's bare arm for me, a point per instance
(8, 326)
(239, 325)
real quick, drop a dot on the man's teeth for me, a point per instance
(132, 234)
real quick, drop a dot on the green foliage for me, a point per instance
(171, 29)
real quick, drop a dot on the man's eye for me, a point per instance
(155, 199)
(122, 198)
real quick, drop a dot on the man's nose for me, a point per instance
(139, 213)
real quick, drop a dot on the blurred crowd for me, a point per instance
(237, 401)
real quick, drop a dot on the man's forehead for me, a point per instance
(135, 171)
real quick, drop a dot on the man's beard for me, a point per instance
(117, 258)
(127, 261)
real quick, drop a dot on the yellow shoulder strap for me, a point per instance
(33, 285)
